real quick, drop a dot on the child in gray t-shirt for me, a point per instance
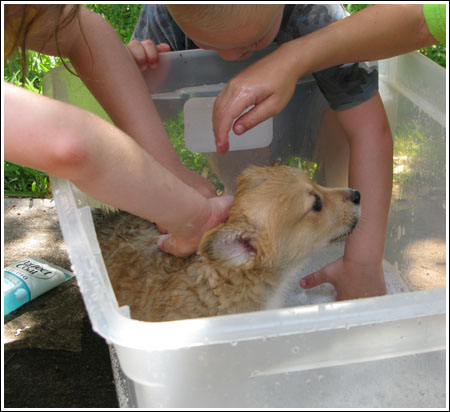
(356, 129)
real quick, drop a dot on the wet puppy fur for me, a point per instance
(278, 219)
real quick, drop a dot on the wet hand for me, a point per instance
(187, 240)
(351, 280)
(267, 84)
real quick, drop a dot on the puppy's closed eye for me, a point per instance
(317, 206)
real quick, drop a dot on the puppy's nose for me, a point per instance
(355, 197)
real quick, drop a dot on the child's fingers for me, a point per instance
(146, 53)
(184, 246)
(227, 107)
(315, 279)
(222, 206)
(255, 116)
(163, 47)
(166, 243)
(138, 52)
(169, 244)
(151, 52)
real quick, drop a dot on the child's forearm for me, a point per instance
(377, 32)
(371, 172)
(371, 150)
(359, 273)
(108, 70)
(99, 158)
(119, 87)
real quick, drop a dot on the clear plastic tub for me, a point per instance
(388, 351)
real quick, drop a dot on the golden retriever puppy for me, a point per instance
(278, 219)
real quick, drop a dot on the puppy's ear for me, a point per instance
(230, 245)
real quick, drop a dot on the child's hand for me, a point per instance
(350, 279)
(146, 53)
(188, 240)
(268, 84)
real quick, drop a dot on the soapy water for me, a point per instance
(325, 293)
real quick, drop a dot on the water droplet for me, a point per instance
(255, 373)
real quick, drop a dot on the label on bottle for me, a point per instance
(38, 276)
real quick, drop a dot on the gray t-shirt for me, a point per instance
(343, 86)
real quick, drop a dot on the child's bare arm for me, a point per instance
(374, 33)
(359, 273)
(377, 32)
(109, 71)
(267, 84)
(104, 162)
